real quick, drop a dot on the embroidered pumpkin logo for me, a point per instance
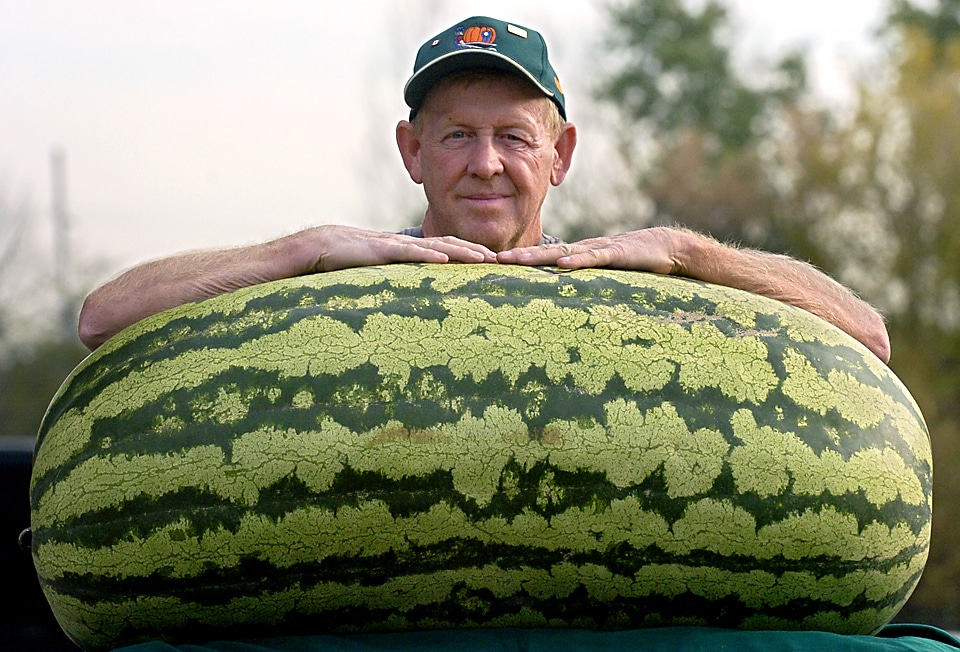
(476, 37)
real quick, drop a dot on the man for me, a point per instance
(487, 136)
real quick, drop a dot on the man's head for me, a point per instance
(487, 136)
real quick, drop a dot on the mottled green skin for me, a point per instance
(415, 446)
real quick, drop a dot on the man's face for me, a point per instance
(485, 158)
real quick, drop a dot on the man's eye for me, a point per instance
(457, 135)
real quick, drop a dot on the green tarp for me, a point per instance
(894, 638)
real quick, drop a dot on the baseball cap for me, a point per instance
(482, 42)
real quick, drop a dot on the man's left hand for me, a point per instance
(651, 250)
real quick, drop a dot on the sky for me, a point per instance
(190, 124)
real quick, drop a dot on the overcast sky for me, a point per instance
(196, 123)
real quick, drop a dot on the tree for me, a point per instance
(692, 124)
(29, 378)
(912, 127)
(14, 220)
(678, 73)
(36, 354)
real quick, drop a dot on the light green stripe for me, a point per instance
(635, 443)
(738, 366)
(301, 345)
(866, 621)
(67, 437)
(769, 459)
(110, 481)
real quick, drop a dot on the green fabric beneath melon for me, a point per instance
(893, 638)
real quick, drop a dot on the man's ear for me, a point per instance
(566, 143)
(409, 143)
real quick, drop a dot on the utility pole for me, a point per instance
(61, 239)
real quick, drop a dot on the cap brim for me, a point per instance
(423, 80)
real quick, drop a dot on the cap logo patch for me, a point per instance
(517, 31)
(483, 38)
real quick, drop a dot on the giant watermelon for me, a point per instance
(456, 446)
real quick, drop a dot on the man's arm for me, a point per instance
(158, 285)
(685, 253)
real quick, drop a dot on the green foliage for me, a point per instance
(703, 127)
(29, 379)
(678, 72)
(941, 26)
(921, 203)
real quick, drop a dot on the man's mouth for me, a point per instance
(485, 197)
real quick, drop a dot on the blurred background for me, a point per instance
(826, 130)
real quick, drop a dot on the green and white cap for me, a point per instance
(482, 42)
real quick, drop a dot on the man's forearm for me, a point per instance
(163, 284)
(790, 281)
(159, 285)
(683, 252)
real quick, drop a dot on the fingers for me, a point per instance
(336, 247)
(650, 250)
(409, 253)
(381, 249)
(458, 250)
(539, 255)
(599, 254)
(588, 253)
(640, 250)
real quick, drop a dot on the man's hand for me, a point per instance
(329, 248)
(649, 250)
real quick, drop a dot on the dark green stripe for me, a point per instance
(220, 585)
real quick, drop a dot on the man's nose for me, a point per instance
(485, 159)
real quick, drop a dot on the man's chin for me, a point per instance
(495, 242)
(493, 231)
(494, 236)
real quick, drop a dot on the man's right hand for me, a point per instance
(340, 247)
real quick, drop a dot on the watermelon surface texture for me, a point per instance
(414, 447)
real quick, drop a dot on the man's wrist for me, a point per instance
(693, 255)
(300, 253)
